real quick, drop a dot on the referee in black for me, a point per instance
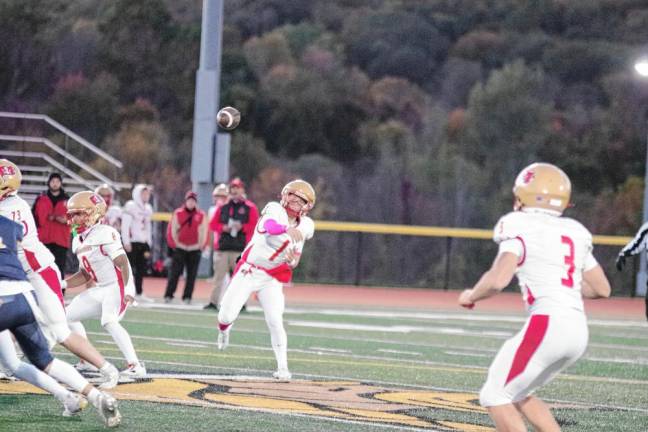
(637, 244)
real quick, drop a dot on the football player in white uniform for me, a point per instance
(113, 211)
(18, 312)
(552, 258)
(102, 260)
(267, 263)
(43, 274)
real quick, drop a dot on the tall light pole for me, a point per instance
(641, 67)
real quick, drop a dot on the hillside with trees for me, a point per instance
(413, 112)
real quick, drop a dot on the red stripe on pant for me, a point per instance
(51, 278)
(120, 281)
(532, 339)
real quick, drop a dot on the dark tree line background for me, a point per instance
(416, 112)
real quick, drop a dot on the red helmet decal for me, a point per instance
(95, 199)
(7, 170)
(528, 176)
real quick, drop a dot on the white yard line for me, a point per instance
(399, 352)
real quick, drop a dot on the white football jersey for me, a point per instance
(33, 254)
(96, 248)
(113, 217)
(553, 252)
(269, 251)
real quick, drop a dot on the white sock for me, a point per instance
(32, 375)
(65, 373)
(93, 397)
(280, 346)
(107, 366)
(123, 341)
(78, 328)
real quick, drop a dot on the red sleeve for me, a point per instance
(248, 228)
(40, 213)
(215, 224)
(169, 237)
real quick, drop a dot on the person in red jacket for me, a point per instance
(233, 223)
(50, 210)
(187, 236)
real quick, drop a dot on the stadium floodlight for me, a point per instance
(641, 66)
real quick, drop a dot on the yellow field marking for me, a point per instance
(454, 401)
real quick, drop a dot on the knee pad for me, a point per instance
(60, 331)
(490, 396)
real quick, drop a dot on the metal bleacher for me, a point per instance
(39, 146)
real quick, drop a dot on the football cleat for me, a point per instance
(85, 367)
(223, 339)
(108, 411)
(110, 376)
(282, 374)
(74, 404)
(134, 370)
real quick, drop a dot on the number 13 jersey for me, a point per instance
(553, 252)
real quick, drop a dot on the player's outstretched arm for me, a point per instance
(77, 279)
(595, 284)
(493, 281)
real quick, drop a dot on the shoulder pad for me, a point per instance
(102, 234)
(272, 208)
(509, 227)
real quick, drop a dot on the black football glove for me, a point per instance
(620, 262)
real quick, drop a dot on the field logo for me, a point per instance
(341, 400)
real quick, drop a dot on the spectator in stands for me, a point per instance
(50, 209)
(113, 211)
(136, 231)
(187, 236)
(233, 225)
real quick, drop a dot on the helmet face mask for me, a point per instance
(298, 198)
(85, 209)
(542, 186)
(10, 178)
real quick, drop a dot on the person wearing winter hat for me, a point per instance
(187, 236)
(49, 211)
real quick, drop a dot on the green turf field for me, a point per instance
(354, 370)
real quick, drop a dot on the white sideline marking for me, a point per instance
(185, 344)
(467, 354)
(396, 328)
(333, 350)
(399, 352)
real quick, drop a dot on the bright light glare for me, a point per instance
(642, 67)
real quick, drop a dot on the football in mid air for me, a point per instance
(228, 118)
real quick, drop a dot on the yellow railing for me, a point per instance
(423, 231)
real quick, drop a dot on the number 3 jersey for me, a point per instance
(96, 248)
(553, 252)
(33, 254)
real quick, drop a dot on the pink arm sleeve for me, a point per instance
(273, 228)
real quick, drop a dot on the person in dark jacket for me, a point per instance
(233, 223)
(49, 211)
(187, 236)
